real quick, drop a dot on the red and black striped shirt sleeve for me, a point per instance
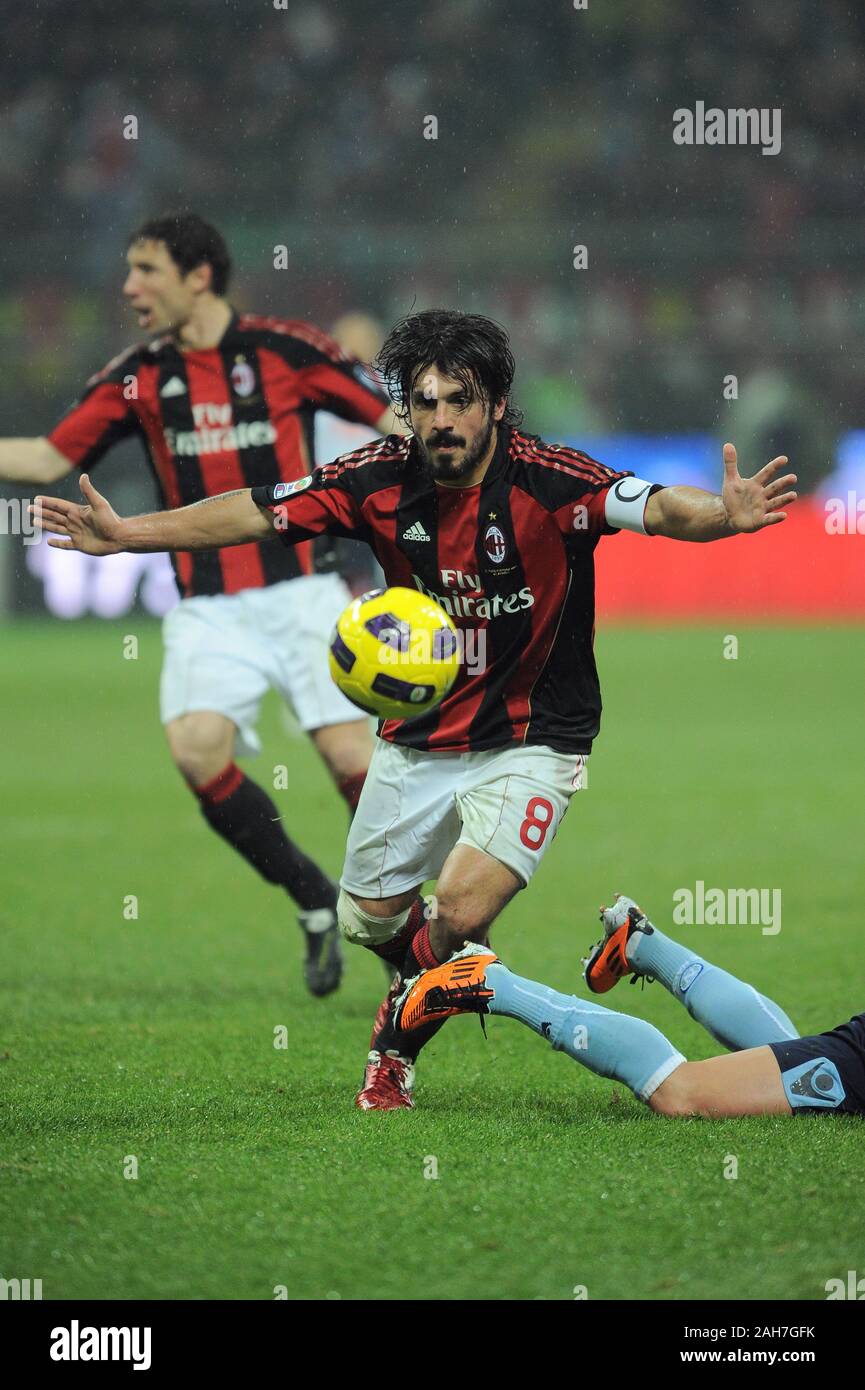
(322, 503)
(331, 380)
(572, 485)
(102, 415)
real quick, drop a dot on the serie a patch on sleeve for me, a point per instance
(286, 489)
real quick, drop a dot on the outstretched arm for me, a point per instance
(32, 461)
(95, 528)
(745, 504)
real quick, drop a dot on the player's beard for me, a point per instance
(451, 470)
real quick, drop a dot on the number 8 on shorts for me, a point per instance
(539, 818)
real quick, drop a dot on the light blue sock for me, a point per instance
(733, 1012)
(615, 1045)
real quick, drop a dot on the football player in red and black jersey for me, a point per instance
(501, 528)
(220, 400)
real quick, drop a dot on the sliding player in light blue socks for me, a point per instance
(629, 1049)
(734, 1013)
(614, 1045)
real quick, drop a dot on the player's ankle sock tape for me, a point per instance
(735, 1014)
(614, 1045)
(244, 815)
(350, 788)
(363, 928)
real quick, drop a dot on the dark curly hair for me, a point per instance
(191, 242)
(468, 347)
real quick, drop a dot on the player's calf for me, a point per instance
(472, 889)
(393, 937)
(454, 926)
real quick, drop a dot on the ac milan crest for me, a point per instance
(242, 378)
(494, 544)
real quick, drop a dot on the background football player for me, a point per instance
(217, 398)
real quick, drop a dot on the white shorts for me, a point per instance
(223, 651)
(414, 807)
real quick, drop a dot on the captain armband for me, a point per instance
(625, 504)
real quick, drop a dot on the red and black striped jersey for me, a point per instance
(511, 559)
(240, 414)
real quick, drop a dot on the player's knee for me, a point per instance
(350, 918)
(678, 1095)
(370, 922)
(201, 745)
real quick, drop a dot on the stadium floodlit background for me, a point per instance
(305, 127)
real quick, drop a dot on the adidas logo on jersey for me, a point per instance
(173, 387)
(415, 533)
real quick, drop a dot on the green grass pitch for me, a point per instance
(153, 1038)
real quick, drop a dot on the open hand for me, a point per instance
(754, 503)
(94, 528)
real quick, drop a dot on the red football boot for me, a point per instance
(387, 1083)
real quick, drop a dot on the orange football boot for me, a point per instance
(456, 987)
(608, 962)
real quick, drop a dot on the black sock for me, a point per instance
(418, 955)
(244, 815)
(390, 1039)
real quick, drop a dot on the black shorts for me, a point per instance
(845, 1047)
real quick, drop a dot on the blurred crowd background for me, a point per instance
(301, 123)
